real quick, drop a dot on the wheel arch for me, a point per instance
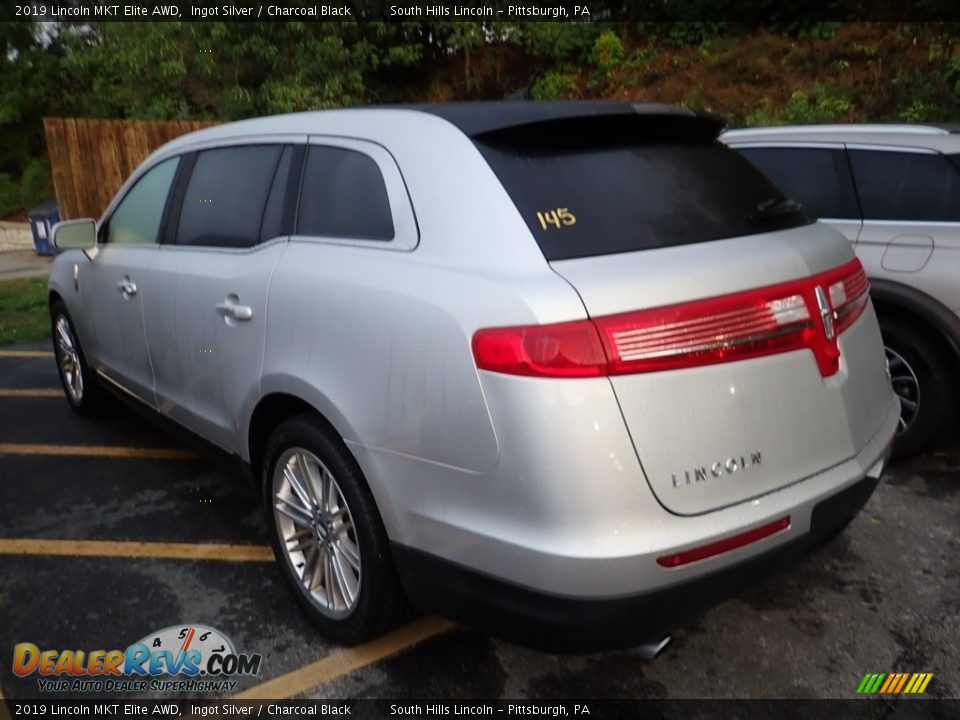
(892, 298)
(278, 405)
(282, 398)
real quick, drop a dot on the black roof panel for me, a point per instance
(483, 118)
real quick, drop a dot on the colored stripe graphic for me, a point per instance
(894, 683)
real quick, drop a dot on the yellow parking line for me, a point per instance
(26, 354)
(346, 661)
(132, 549)
(30, 392)
(113, 451)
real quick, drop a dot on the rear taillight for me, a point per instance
(570, 349)
(721, 329)
(775, 319)
(848, 294)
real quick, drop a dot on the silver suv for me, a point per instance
(507, 360)
(894, 192)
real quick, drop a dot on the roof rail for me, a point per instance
(851, 128)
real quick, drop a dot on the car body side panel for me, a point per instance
(205, 366)
(927, 257)
(121, 354)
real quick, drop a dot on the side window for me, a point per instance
(906, 186)
(817, 178)
(226, 196)
(137, 218)
(343, 195)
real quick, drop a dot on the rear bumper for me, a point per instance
(568, 624)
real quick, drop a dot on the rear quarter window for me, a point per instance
(343, 195)
(586, 198)
(906, 185)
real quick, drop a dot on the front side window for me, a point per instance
(343, 195)
(226, 196)
(136, 221)
(906, 186)
(817, 178)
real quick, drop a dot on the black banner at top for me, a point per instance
(490, 11)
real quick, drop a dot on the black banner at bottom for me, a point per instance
(861, 709)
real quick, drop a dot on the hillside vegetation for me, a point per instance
(754, 73)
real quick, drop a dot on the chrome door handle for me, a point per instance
(236, 312)
(127, 287)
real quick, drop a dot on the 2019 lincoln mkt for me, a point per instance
(569, 372)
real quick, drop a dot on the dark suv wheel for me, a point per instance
(920, 373)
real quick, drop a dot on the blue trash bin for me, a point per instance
(42, 219)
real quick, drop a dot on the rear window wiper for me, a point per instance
(774, 207)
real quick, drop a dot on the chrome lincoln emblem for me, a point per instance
(702, 473)
(826, 315)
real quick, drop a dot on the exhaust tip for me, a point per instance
(649, 651)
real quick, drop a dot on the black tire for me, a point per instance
(920, 370)
(378, 600)
(90, 398)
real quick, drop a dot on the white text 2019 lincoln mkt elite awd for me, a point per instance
(568, 372)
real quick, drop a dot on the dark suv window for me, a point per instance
(817, 178)
(343, 196)
(906, 185)
(225, 198)
(597, 194)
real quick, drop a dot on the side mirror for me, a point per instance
(75, 234)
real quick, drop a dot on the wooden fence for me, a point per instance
(90, 159)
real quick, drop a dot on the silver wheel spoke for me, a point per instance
(294, 512)
(307, 472)
(330, 583)
(909, 403)
(348, 553)
(326, 480)
(342, 584)
(297, 487)
(310, 567)
(300, 546)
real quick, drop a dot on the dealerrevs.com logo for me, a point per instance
(189, 658)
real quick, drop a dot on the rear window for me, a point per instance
(819, 178)
(581, 199)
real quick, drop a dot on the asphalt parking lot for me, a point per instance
(110, 530)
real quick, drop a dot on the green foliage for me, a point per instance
(918, 112)
(819, 105)
(559, 42)
(607, 52)
(35, 185)
(23, 310)
(819, 30)
(555, 86)
(684, 34)
(9, 196)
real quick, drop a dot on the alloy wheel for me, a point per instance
(68, 357)
(907, 388)
(316, 531)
